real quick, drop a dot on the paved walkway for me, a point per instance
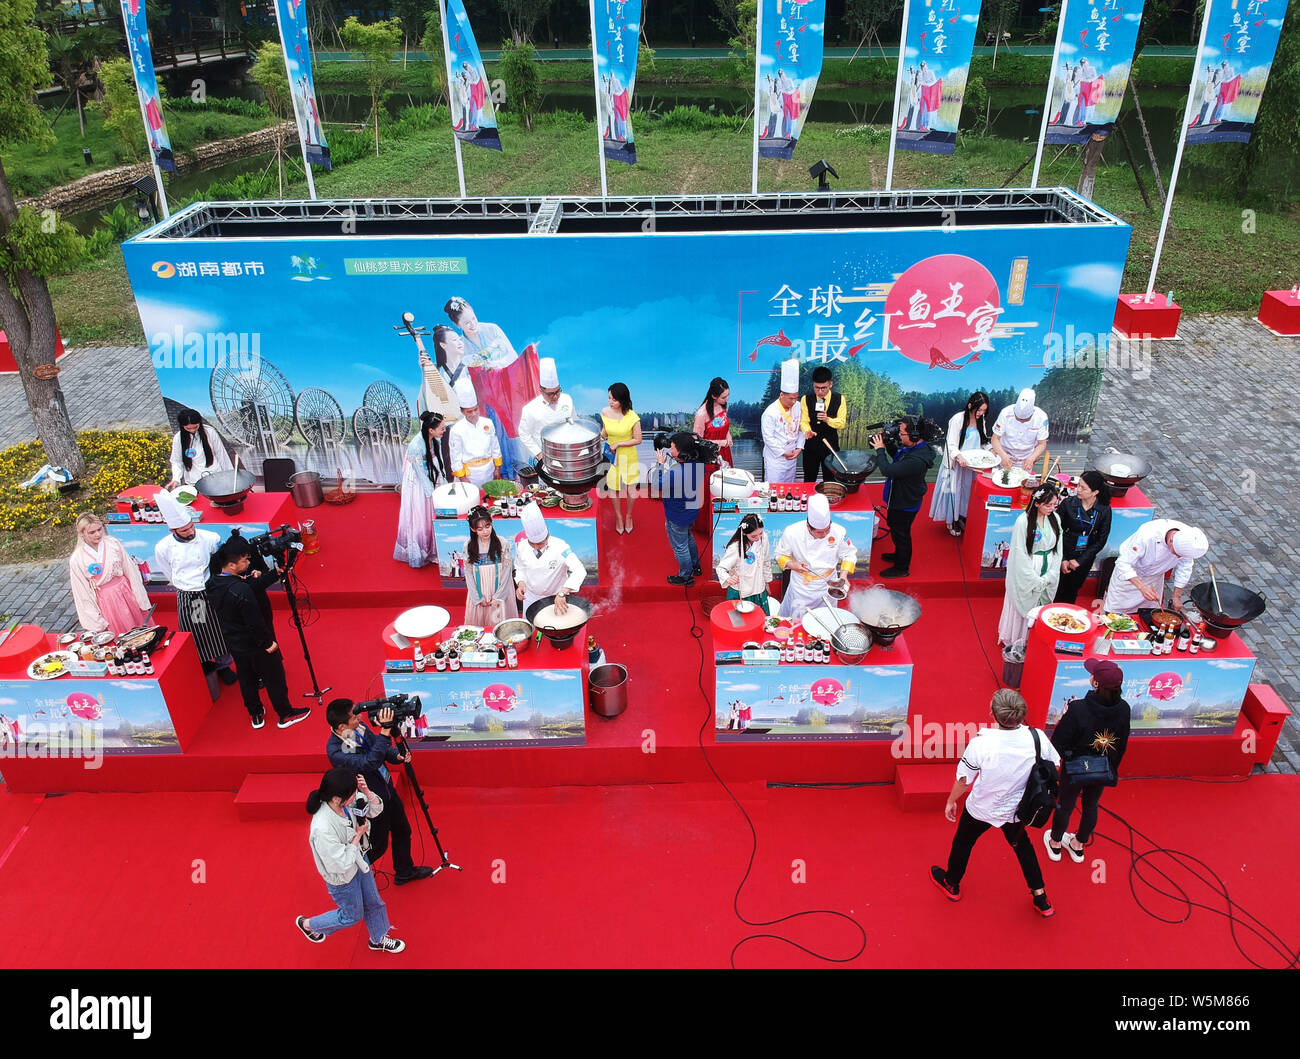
(1216, 413)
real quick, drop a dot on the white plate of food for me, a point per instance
(1073, 621)
(1008, 477)
(979, 459)
(49, 666)
(420, 623)
(466, 635)
(1120, 623)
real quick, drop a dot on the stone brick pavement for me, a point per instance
(1216, 413)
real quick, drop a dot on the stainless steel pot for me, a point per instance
(304, 487)
(607, 689)
(571, 451)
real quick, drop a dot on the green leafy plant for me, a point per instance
(519, 70)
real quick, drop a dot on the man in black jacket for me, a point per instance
(353, 746)
(904, 469)
(243, 612)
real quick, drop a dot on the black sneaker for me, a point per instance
(677, 579)
(888, 557)
(1043, 906)
(387, 944)
(227, 676)
(311, 935)
(940, 879)
(259, 721)
(293, 717)
(420, 871)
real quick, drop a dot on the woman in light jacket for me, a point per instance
(968, 430)
(745, 568)
(339, 839)
(106, 585)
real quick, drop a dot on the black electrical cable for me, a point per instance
(697, 634)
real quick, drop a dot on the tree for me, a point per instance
(376, 41)
(76, 60)
(269, 73)
(522, 16)
(1277, 123)
(523, 80)
(431, 45)
(120, 106)
(867, 16)
(32, 246)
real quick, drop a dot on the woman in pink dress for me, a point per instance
(106, 585)
(712, 424)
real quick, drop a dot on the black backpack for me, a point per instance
(1039, 800)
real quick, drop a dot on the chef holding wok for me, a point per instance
(544, 565)
(819, 556)
(1159, 546)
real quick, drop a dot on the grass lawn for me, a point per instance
(94, 305)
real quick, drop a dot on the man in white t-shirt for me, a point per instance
(994, 769)
(1020, 432)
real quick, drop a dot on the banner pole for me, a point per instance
(595, 77)
(758, 88)
(298, 119)
(446, 61)
(1178, 155)
(898, 88)
(1051, 83)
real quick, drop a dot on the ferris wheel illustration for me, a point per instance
(390, 404)
(319, 419)
(255, 406)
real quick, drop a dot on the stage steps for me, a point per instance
(275, 795)
(923, 788)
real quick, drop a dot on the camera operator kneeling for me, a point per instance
(239, 599)
(355, 747)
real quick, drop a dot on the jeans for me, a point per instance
(356, 900)
(1087, 813)
(684, 549)
(968, 832)
(900, 531)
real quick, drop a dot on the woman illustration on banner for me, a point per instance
(1068, 94)
(1090, 87)
(1228, 88)
(1210, 95)
(309, 112)
(931, 92)
(423, 471)
(616, 101)
(475, 96)
(107, 589)
(912, 121)
(503, 379)
(791, 104)
(773, 108)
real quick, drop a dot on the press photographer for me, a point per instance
(353, 746)
(678, 480)
(237, 595)
(903, 456)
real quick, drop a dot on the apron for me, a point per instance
(806, 590)
(556, 583)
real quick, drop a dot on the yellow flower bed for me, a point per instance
(115, 460)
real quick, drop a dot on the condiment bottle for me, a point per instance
(418, 657)
(453, 659)
(1195, 646)
(501, 656)
(512, 656)
(439, 659)
(148, 664)
(800, 649)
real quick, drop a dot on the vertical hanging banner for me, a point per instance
(939, 36)
(473, 118)
(292, 18)
(789, 63)
(616, 74)
(1090, 72)
(146, 84)
(1232, 69)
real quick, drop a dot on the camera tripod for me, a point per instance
(402, 747)
(291, 593)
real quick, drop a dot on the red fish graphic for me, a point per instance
(777, 339)
(938, 360)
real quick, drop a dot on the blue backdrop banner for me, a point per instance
(1091, 70)
(146, 84)
(618, 29)
(1232, 68)
(940, 36)
(789, 63)
(473, 117)
(291, 15)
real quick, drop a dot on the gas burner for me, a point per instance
(229, 507)
(573, 495)
(575, 501)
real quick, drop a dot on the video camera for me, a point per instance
(919, 427)
(402, 705)
(699, 451)
(277, 544)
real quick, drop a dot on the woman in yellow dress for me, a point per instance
(622, 430)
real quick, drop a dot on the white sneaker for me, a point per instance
(1053, 852)
(1076, 855)
(387, 944)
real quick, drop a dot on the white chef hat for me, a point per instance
(534, 523)
(547, 378)
(819, 512)
(790, 376)
(465, 392)
(173, 513)
(1025, 404)
(1191, 543)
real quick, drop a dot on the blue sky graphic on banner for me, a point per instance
(618, 31)
(292, 16)
(909, 316)
(789, 63)
(1092, 68)
(491, 707)
(146, 83)
(473, 117)
(1232, 69)
(940, 36)
(112, 716)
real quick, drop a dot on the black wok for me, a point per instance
(224, 487)
(560, 638)
(1239, 605)
(851, 467)
(1138, 468)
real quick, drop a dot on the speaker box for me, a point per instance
(276, 474)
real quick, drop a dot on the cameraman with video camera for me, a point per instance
(678, 480)
(353, 746)
(903, 456)
(238, 597)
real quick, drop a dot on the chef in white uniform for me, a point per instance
(544, 565)
(815, 552)
(1159, 546)
(782, 436)
(551, 407)
(475, 448)
(183, 557)
(1020, 433)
